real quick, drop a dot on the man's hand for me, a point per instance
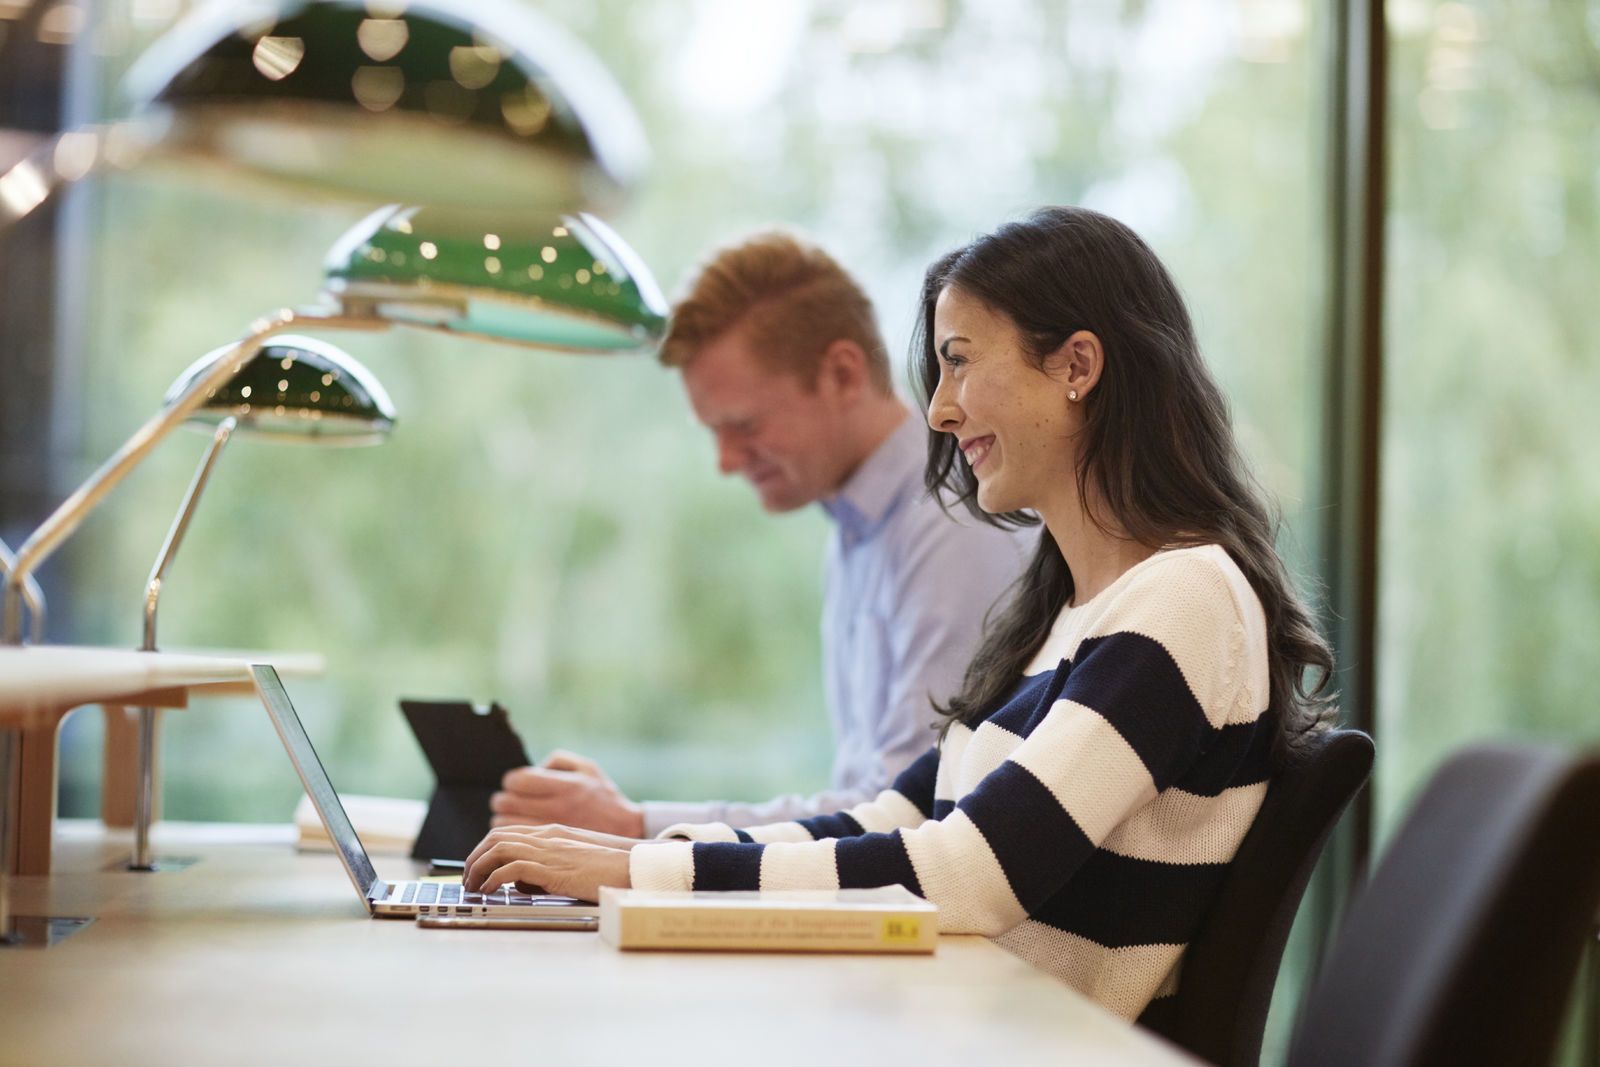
(567, 789)
(549, 858)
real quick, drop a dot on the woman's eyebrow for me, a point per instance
(944, 346)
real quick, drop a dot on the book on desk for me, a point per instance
(387, 825)
(890, 919)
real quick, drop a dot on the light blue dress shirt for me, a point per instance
(905, 590)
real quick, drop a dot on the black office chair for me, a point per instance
(1463, 947)
(1229, 969)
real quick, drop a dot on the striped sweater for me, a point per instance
(1086, 823)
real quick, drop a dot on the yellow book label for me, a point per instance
(901, 930)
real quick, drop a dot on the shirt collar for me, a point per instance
(880, 482)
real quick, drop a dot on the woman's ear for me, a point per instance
(1077, 364)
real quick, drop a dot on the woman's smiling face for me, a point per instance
(1012, 419)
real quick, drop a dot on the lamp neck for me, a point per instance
(180, 526)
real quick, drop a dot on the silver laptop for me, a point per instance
(397, 900)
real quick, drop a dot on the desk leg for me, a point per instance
(119, 781)
(36, 808)
(23, 930)
(10, 748)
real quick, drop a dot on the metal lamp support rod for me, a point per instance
(144, 807)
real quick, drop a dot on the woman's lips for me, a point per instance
(976, 448)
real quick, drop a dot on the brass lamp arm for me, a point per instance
(65, 519)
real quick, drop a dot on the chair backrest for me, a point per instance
(1463, 946)
(1229, 969)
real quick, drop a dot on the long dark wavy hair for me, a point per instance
(1157, 446)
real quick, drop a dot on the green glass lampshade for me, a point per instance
(480, 106)
(569, 284)
(295, 388)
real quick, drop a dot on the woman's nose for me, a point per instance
(943, 414)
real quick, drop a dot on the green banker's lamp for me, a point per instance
(295, 389)
(567, 284)
(484, 108)
(482, 111)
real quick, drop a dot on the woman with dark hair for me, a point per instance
(1119, 723)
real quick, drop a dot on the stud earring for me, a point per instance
(1072, 395)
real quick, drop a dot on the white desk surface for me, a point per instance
(261, 955)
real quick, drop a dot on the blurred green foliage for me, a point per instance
(550, 531)
(1490, 604)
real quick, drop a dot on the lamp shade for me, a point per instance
(295, 388)
(480, 107)
(569, 284)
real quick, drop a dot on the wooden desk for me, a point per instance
(274, 961)
(41, 684)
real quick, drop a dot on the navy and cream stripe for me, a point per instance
(1086, 823)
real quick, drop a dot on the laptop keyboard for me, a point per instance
(432, 893)
(448, 893)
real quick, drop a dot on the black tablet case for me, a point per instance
(470, 751)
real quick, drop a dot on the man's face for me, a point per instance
(780, 436)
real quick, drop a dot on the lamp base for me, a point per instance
(158, 864)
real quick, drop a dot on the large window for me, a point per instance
(550, 531)
(1490, 565)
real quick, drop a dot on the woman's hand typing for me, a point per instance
(556, 859)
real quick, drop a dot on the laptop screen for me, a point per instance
(315, 779)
